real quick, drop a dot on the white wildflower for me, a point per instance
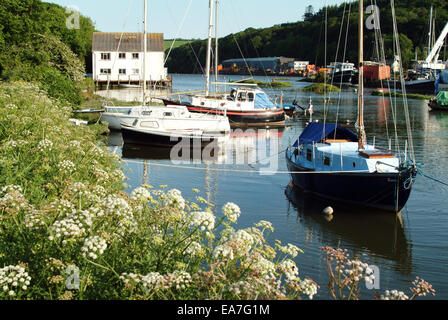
(203, 219)
(231, 211)
(141, 194)
(289, 268)
(93, 247)
(45, 145)
(13, 279)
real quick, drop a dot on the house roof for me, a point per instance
(130, 42)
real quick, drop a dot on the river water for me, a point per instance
(411, 244)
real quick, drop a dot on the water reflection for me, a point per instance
(360, 229)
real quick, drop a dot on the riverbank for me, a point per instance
(64, 213)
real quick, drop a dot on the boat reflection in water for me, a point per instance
(380, 232)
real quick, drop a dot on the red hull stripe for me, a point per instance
(235, 113)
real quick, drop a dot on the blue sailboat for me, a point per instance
(331, 161)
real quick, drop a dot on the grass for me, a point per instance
(399, 94)
(321, 88)
(177, 43)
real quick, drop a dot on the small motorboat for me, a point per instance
(164, 126)
(439, 102)
(189, 138)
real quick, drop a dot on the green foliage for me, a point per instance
(321, 88)
(36, 45)
(304, 40)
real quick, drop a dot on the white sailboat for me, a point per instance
(243, 105)
(333, 162)
(145, 122)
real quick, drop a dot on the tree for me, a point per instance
(309, 12)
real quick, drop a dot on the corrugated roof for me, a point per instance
(130, 42)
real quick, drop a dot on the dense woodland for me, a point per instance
(36, 45)
(305, 39)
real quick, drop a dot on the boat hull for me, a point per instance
(383, 191)
(132, 136)
(344, 77)
(435, 106)
(270, 118)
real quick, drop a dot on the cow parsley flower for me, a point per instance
(289, 268)
(203, 219)
(93, 247)
(231, 211)
(45, 145)
(13, 279)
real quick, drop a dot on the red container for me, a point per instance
(376, 72)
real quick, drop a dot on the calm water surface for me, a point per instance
(403, 247)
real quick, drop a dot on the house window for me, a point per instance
(122, 55)
(135, 56)
(105, 56)
(250, 96)
(105, 71)
(135, 71)
(122, 71)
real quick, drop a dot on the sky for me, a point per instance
(188, 19)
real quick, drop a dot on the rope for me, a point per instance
(431, 178)
(178, 31)
(243, 170)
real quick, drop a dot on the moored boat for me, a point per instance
(245, 107)
(327, 162)
(333, 162)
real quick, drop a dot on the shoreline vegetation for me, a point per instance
(386, 93)
(64, 216)
(321, 88)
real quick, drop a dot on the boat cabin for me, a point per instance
(332, 147)
(237, 99)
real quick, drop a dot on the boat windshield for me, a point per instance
(262, 101)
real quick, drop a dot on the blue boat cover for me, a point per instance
(316, 132)
(262, 101)
(444, 76)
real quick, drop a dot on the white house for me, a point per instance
(118, 58)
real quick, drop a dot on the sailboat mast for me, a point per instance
(145, 48)
(209, 48)
(216, 45)
(430, 31)
(361, 132)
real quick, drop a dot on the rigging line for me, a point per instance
(403, 87)
(178, 30)
(381, 58)
(343, 59)
(325, 67)
(337, 50)
(243, 170)
(119, 44)
(431, 178)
